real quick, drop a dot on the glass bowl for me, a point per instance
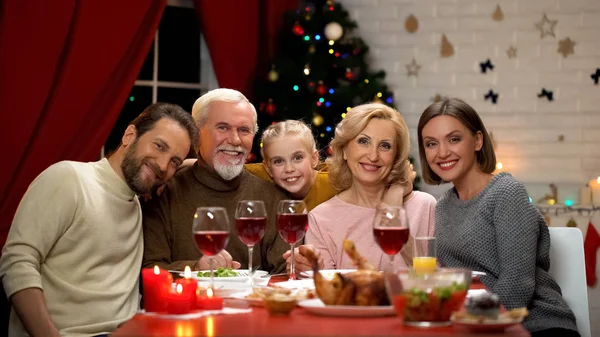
(427, 300)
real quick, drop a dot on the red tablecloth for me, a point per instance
(299, 323)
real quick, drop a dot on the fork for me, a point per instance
(242, 273)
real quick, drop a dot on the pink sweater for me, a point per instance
(335, 220)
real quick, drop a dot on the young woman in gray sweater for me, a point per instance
(486, 221)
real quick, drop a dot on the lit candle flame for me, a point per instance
(209, 292)
(156, 270)
(187, 273)
(499, 166)
(598, 181)
(179, 288)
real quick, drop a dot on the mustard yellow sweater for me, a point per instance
(321, 190)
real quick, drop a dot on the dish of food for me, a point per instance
(258, 295)
(223, 272)
(226, 275)
(317, 307)
(363, 287)
(483, 323)
(430, 305)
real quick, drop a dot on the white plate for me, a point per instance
(257, 301)
(243, 295)
(296, 284)
(317, 307)
(327, 273)
(242, 278)
(498, 325)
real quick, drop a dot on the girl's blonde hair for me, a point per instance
(284, 128)
(350, 127)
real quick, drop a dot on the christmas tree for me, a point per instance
(319, 73)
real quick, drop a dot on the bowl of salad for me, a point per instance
(427, 300)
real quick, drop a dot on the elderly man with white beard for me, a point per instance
(227, 124)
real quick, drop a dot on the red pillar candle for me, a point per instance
(157, 284)
(179, 302)
(189, 286)
(209, 302)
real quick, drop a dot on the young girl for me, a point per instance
(290, 158)
(486, 221)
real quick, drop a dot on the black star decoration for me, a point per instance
(596, 76)
(491, 96)
(547, 93)
(486, 65)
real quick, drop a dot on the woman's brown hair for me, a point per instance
(454, 107)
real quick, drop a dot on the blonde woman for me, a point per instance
(370, 152)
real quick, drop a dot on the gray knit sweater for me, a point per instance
(501, 233)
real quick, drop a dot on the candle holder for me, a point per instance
(179, 302)
(157, 285)
(209, 301)
(189, 286)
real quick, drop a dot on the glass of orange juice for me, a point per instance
(425, 254)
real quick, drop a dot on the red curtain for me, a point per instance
(240, 36)
(66, 68)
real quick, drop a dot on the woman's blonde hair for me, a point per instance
(454, 107)
(350, 127)
(284, 128)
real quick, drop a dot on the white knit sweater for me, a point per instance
(77, 235)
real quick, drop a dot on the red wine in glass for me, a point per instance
(292, 224)
(391, 239)
(292, 227)
(391, 230)
(251, 230)
(250, 224)
(210, 243)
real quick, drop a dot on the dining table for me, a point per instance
(300, 322)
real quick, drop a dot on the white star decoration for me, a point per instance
(546, 26)
(412, 68)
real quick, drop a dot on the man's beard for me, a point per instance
(132, 167)
(235, 167)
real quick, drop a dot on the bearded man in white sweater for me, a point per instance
(72, 260)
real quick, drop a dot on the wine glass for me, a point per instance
(391, 230)
(211, 233)
(292, 224)
(250, 224)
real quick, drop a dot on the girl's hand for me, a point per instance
(394, 195)
(397, 194)
(300, 261)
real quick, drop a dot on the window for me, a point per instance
(177, 69)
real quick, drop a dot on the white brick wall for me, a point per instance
(526, 128)
(476, 37)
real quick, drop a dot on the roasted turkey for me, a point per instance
(364, 287)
